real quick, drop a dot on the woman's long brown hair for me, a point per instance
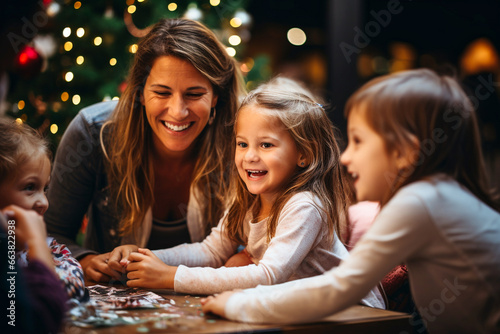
(127, 137)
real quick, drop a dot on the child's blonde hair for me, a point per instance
(19, 143)
(419, 105)
(313, 133)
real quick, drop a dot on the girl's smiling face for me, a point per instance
(28, 188)
(177, 100)
(266, 154)
(367, 159)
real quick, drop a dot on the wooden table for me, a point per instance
(356, 319)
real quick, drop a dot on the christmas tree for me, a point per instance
(82, 50)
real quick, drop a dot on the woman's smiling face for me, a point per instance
(177, 100)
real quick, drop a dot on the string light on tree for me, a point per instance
(54, 128)
(231, 51)
(234, 40)
(62, 48)
(66, 32)
(296, 36)
(68, 76)
(133, 48)
(235, 22)
(80, 32)
(76, 99)
(131, 9)
(68, 46)
(193, 13)
(172, 6)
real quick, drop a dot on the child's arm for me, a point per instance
(395, 235)
(211, 252)
(300, 230)
(157, 269)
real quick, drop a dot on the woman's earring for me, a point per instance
(212, 117)
(302, 164)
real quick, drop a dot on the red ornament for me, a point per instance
(122, 87)
(28, 62)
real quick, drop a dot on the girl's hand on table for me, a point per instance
(240, 259)
(217, 304)
(146, 270)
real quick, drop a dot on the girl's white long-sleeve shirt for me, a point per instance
(299, 249)
(450, 242)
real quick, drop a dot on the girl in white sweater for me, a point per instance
(290, 200)
(414, 146)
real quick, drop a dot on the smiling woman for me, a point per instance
(151, 168)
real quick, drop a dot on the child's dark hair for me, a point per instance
(19, 143)
(314, 135)
(422, 111)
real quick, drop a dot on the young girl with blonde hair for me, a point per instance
(414, 147)
(290, 202)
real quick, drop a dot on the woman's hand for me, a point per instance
(217, 304)
(240, 259)
(119, 257)
(96, 268)
(146, 270)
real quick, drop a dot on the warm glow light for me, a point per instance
(21, 104)
(131, 9)
(244, 68)
(19, 121)
(130, 2)
(76, 99)
(214, 2)
(112, 61)
(77, 5)
(64, 96)
(231, 51)
(172, 6)
(115, 98)
(68, 46)
(80, 32)
(235, 22)
(80, 60)
(480, 56)
(66, 32)
(132, 48)
(68, 76)
(97, 41)
(54, 128)
(234, 40)
(296, 36)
